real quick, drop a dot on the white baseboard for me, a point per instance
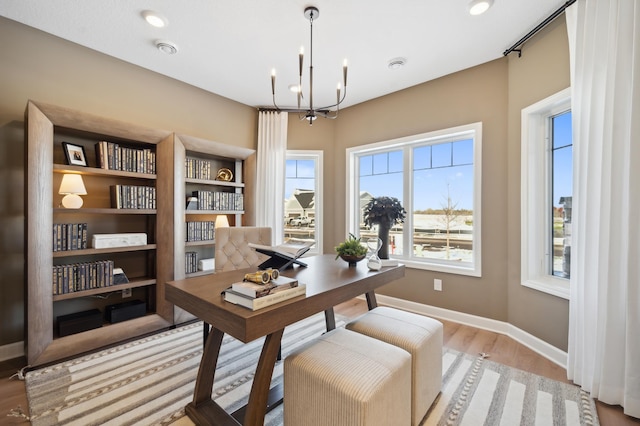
(553, 354)
(11, 351)
(537, 345)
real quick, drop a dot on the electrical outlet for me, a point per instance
(437, 284)
(126, 293)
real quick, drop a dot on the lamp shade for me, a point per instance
(222, 221)
(72, 184)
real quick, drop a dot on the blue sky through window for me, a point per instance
(300, 174)
(562, 157)
(438, 169)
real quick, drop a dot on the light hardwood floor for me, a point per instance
(456, 336)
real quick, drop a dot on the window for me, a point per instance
(303, 197)
(547, 170)
(436, 177)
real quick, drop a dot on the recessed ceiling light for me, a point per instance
(478, 7)
(396, 63)
(167, 47)
(154, 18)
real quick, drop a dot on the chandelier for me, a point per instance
(309, 112)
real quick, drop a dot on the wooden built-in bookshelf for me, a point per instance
(148, 266)
(219, 156)
(47, 127)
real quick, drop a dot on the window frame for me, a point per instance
(317, 156)
(536, 204)
(406, 144)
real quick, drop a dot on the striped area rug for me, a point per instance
(149, 381)
(476, 391)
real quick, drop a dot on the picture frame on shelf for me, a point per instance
(74, 154)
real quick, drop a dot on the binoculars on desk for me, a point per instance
(262, 277)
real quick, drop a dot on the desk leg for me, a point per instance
(330, 319)
(371, 300)
(207, 369)
(258, 398)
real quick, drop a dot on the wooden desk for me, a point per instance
(329, 282)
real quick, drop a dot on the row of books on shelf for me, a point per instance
(200, 231)
(69, 236)
(210, 200)
(82, 276)
(190, 262)
(257, 296)
(133, 197)
(112, 156)
(197, 168)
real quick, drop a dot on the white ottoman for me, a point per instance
(422, 338)
(349, 379)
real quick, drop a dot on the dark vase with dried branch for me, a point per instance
(384, 212)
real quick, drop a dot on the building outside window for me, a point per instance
(436, 177)
(303, 198)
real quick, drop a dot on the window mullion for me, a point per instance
(407, 174)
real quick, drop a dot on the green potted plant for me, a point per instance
(351, 250)
(384, 212)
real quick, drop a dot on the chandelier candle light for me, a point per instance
(311, 113)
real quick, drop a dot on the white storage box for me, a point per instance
(206, 264)
(119, 240)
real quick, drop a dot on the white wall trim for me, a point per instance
(11, 351)
(537, 345)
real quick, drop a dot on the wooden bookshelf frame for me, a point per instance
(42, 120)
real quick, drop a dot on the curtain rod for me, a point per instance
(540, 26)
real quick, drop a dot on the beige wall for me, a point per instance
(44, 68)
(542, 71)
(41, 67)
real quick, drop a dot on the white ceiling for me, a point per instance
(229, 47)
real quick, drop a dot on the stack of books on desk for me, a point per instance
(257, 296)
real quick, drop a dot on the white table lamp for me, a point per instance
(72, 187)
(222, 221)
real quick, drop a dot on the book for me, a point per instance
(292, 248)
(260, 290)
(262, 302)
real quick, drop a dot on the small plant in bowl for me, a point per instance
(351, 250)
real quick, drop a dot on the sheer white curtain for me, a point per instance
(604, 324)
(271, 158)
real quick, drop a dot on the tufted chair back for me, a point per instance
(232, 249)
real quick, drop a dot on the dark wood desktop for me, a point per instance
(329, 282)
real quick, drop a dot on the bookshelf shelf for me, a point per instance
(215, 183)
(104, 290)
(198, 274)
(200, 243)
(65, 168)
(92, 251)
(214, 212)
(109, 211)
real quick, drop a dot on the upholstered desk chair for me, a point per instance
(233, 252)
(232, 247)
